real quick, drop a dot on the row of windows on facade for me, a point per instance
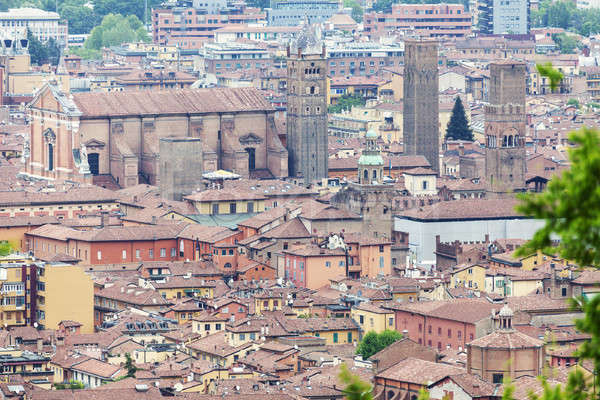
(439, 345)
(361, 319)
(99, 206)
(19, 316)
(429, 12)
(232, 208)
(163, 253)
(240, 65)
(439, 332)
(20, 300)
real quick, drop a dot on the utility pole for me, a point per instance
(146, 14)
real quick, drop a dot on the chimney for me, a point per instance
(461, 149)
(154, 220)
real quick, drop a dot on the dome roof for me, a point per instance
(371, 159)
(371, 134)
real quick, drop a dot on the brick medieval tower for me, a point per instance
(505, 128)
(421, 101)
(307, 107)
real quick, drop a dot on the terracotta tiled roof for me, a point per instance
(7, 222)
(97, 368)
(506, 339)
(419, 372)
(178, 101)
(75, 195)
(463, 310)
(473, 385)
(465, 209)
(293, 228)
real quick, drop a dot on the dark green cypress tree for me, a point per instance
(458, 127)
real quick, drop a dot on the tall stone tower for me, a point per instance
(370, 163)
(307, 107)
(421, 101)
(505, 128)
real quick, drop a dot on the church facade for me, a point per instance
(75, 137)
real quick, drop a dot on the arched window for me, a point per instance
(374, 174)
(366, 175)
(227, 265)
(510, 141)
(504, 141)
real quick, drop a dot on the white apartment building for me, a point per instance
(42, 24)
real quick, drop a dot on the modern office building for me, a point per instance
(293, 12)
(504, 17)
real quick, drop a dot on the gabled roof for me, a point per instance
(176, 101)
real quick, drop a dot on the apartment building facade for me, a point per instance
(425, 20)
(368, 58)
(189, 28)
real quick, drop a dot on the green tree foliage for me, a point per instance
(71, 385)
(43, 53)
(5, 248)
(115, 30)
(564, 14)
(357, 10)
(574, 102)
(570, 205)
(374, 342)
(566, 44)
(458, 126)
(356, 388)
(124, 7)
(130, 366)
(383, 5)
(553, 75)
(81, 19)
(346, 102)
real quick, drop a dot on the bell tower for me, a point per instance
(370, 163)
(505, 128)
(307, 107)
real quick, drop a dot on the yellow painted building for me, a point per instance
(14, 362)
(469, 276)
(62, 292)
(336, 336)
(216, 350)
(68, 295)
(373, 318)
(206, 325)
(266, 302)
(203, 376)
(227, 201)
(180, 287)
(333, 330)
